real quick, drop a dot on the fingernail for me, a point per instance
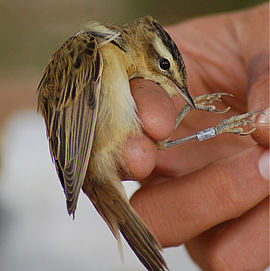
(264, 118)
(264, 164)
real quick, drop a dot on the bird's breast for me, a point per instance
(117, 107)
(117, 117)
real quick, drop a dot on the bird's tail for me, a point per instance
(112, 205)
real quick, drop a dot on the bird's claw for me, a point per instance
(233, 124)
(205, 102)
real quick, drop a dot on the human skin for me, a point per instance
(212, 196)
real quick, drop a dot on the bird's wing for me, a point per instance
(69, 99)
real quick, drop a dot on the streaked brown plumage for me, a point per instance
(89, 112)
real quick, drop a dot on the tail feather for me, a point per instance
(115, 209)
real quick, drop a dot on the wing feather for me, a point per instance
(68, 99)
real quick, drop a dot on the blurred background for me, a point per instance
(35, 231)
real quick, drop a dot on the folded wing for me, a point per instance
(68, 99)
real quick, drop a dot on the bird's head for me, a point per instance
(157, 58)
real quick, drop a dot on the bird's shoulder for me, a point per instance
(73, 66)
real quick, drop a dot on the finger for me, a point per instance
(140, 154)
(155, 109)
(158, 116)
(256, 58)
(258, 98)
(261, 135)
(241, 244)
(189, 205)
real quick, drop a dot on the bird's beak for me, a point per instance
(182, 88)
(184, 92)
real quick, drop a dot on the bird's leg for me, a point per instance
(231, 125)
(205, 103)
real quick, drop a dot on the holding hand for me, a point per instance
(212, 196)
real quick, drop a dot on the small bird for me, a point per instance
(85, 99)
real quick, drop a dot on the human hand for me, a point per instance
(213, 195)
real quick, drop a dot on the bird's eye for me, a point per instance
(164, 64)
